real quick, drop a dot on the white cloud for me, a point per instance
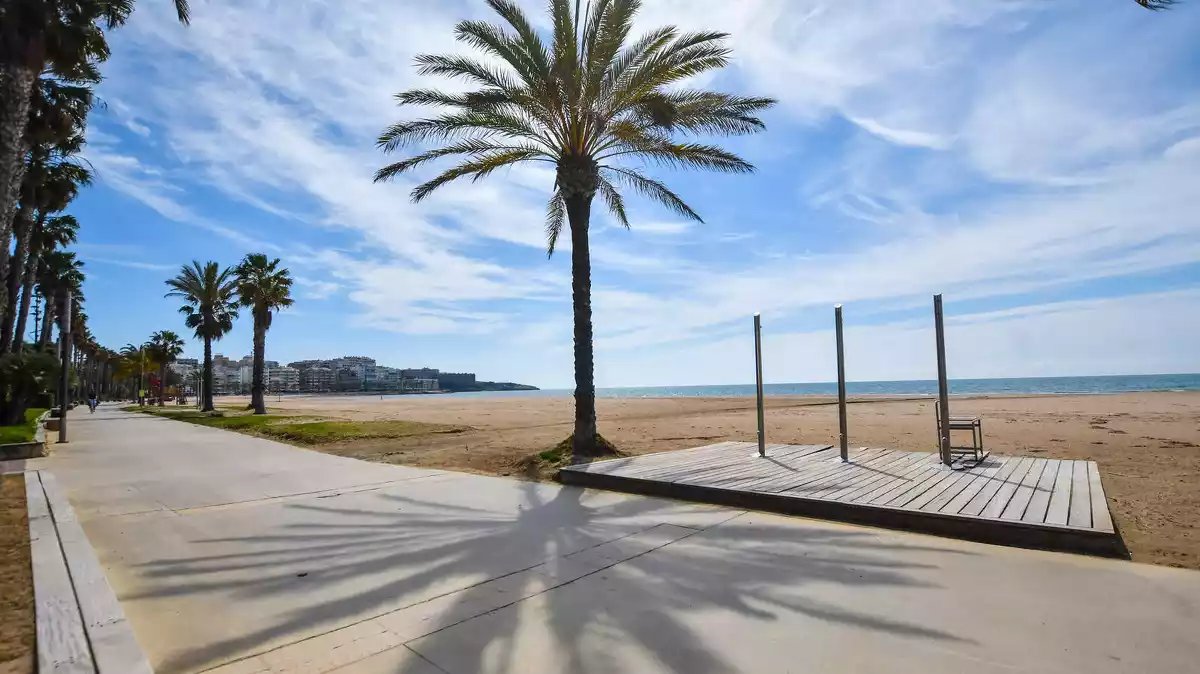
(995, 158)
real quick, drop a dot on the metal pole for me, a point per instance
(758, 381)
(64, 339)
(943, 384)
(841, 367)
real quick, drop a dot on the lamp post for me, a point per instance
(64, 339)
(758, 384)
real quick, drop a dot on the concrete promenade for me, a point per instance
(238, 555)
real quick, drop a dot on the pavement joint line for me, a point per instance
(431, 663)
(355, 489)
(692, 532)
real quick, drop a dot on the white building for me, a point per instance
(284, 380)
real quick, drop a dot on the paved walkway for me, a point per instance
(241, 556)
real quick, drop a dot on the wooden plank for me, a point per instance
(929, 479)
(824, 469)
(684, 464)
(818, 465)
(1060, 498)
(916, 498)
(1040, 502)
(991, 468)
(872, 475)
(846, 473)
(681, 460)
(793, 466)
(757, 469)
(977, 504)
(1005, 493)
(948, 494)
(709, 466)
(637, 464)
(616, 465)
(1101, 517)
(1080, 514)
(954, 483)
(706, 475)
(909, 475)
(1015, 509)
(61, 641)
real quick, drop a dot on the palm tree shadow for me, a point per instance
(426, 545)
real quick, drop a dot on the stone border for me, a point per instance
(80, 624)
(28, 450)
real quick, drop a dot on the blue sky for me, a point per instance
(1036, 162)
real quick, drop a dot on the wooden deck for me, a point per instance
(1011, 500)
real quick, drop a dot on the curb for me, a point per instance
(16, 451)
(80, 624)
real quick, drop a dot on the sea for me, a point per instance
(959, 387)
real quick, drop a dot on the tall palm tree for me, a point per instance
(589, 102)
(265, 288)
(210, 293)
(61, 273)
(36, 36)
(165, 347)
(49, 235)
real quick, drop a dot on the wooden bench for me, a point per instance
(973, 424)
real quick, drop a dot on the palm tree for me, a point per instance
(61, 273)
(586, 103)
(48, 236)
(36, 36)
(165, 347)
(266, 288)
(211, 307)
(135, 357)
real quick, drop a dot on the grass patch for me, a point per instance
(544, 465)
(326, 432)
(16, 580)
(304, 430)
(23, 432)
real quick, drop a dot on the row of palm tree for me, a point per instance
(212, 297)
(41, 42)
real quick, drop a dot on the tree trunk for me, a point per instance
(16, 88)
(579, 213)
(31, 267)
(23, 227)
(162, 385)
(260, 348)
(207, 404)
(47, 322)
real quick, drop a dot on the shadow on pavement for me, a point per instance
(762, 571)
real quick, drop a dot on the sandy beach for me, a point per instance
(1147, 444)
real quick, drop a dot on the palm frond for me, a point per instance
(616, 204)
(477, 168)
(556, 214)
(470, 146)
(666, 152)
(461, 67)
(458, 125)
(651, 189)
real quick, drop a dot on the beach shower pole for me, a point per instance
(943, 384)
(841, 367)
(762, 434)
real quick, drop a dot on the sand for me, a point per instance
(1146, 444)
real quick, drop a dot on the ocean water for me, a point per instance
(1023, 385)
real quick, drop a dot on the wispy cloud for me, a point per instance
(986, 149)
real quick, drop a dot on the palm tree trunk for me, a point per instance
(31, 267)
(47, 322)
(260, 348)
(207, 405)
(162, 385)
(23, 227)
(579, 208)
(16, 88)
